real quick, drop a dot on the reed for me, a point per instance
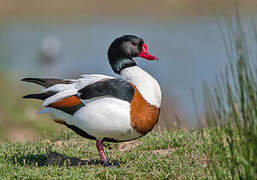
(231, 104)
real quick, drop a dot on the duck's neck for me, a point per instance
(144, 82)
(118, 64)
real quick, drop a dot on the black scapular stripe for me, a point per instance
(46, 82)
(113, 87)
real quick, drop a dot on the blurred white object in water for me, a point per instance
(49, 52)
(50, 49)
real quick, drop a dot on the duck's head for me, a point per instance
(123, 49)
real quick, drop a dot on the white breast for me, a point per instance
(145, 83)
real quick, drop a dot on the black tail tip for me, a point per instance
(25, 79)
(27, 96)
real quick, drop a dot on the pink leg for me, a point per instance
(100, 149)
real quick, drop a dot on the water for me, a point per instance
(190, 51)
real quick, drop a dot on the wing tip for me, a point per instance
(29, 96)
(25, 79)
(33, 80)
(41, 96)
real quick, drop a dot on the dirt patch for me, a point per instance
(164, 151)
(21, 135)
(126, 146)
(203, 159)
(59, 142)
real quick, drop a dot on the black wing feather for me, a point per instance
(113, 87)
(47, 82)
(41, 96)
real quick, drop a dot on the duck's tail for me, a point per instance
(41, 96)
(64, 100)
(47, 82)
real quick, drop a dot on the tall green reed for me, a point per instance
(231, 105)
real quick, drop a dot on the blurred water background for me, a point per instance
(70, 38)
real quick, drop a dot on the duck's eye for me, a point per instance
(134, 44)
(146, 53)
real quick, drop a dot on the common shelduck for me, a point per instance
(104, 108)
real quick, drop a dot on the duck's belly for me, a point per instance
(106, 118)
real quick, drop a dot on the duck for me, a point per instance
(105, 108)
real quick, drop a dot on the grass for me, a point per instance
(159, 155)
(231, 104)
